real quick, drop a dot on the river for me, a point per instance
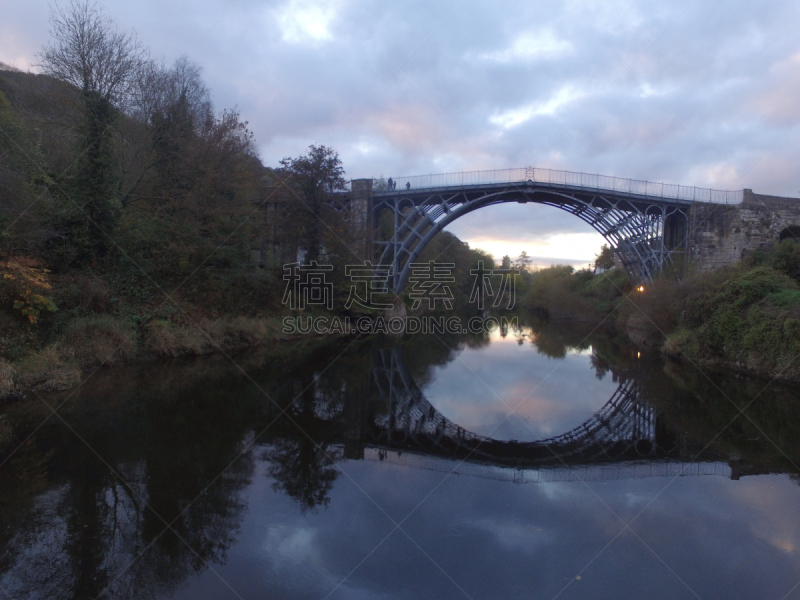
(541, 463)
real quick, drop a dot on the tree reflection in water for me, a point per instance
(303, 469)
(72, 528)
(302, 464)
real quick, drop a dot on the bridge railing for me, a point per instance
(570, 179)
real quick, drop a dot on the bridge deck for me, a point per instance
(586, 473)
(561, 180)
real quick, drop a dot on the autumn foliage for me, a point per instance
(25, 287)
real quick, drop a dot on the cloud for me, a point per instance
(517, 394)
(529, 47)
(778, 101)
(306, 20)
(516, 116)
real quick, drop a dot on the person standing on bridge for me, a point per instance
(408, 185)
(390, 183)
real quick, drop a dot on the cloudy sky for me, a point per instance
(693, 91)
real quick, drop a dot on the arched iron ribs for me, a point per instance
(644, 232)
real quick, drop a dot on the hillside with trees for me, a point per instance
(137, 220)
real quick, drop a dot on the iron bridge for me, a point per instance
(645, 223)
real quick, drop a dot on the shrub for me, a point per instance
(785, 298)
(164, 338)
(24, 287)
(749, 316)
(563, 292)
(100, 340)
(677, 343)
(607, 287)
(237, 332)
(723, 315)
(786, 258)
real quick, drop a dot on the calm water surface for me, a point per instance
(437, 469)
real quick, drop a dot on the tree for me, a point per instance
(524, 261)
(180, 114)
(91, 54)
(506, 264)
(314, 176)
(605, 260)
(158, 89)
(25, 210)
(379, 184)
(194, 210)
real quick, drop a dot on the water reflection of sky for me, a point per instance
(474, 538)
(511, 391)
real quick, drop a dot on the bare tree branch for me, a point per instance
(91, 53)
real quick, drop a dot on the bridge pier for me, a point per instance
(723, 235)
(361, 215)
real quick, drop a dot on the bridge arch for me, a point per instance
(635, 233)
(792, 232)
(644, 231)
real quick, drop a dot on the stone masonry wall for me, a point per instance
(361, 215)
(722, 235)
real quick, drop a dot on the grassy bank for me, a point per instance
(106, 340)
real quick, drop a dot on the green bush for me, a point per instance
(748, 316)
(785, 298)
(787, 258)
(724, 316)
(608, 287)
(565, 293)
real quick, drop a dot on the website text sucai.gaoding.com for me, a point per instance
(335, 325)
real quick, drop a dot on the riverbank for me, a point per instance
(744, 319)
(103, 340)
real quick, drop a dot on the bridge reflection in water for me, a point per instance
(624, 439)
